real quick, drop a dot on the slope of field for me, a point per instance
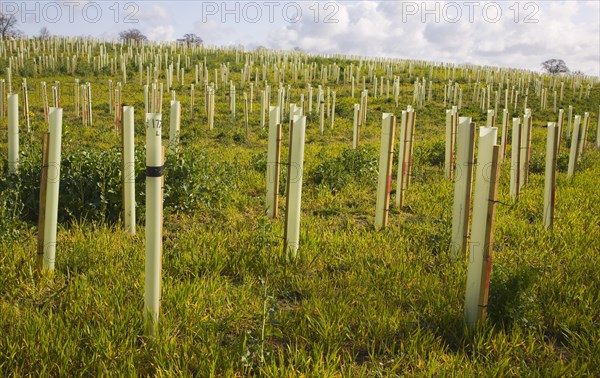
(356, 302)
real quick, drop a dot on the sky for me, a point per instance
(519, 34)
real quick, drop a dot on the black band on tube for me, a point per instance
(155, 171)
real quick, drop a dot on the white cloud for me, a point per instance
(156, 23)
(565, 30)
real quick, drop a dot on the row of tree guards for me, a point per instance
(486, 184)
(459, 165)
(153, 95)
(486, 86)
(260, 74)
(174, 60)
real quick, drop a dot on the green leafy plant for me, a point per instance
(351, 165)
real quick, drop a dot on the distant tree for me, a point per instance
(44, 33)
(555, 66)
(578, 73)
(132, 35)
(191, 39)
(8, 26)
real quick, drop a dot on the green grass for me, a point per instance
(356, 302)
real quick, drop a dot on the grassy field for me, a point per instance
(356, 302)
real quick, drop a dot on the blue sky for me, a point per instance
(503, 33)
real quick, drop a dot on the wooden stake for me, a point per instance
(42, 203)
